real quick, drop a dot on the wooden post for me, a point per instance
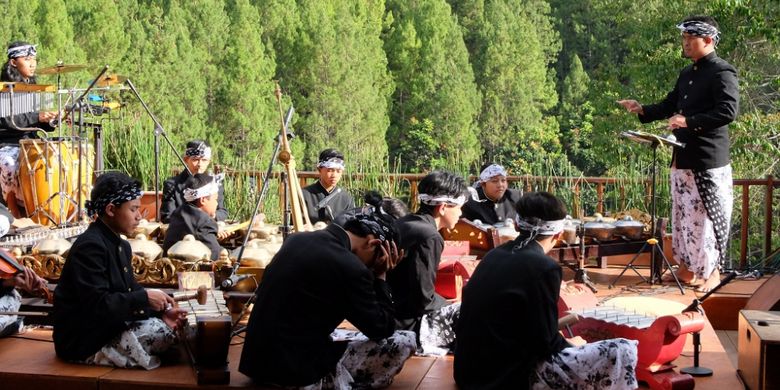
(744, 226)
(768, 212)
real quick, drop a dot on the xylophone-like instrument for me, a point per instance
(661, 337)
(207, 335)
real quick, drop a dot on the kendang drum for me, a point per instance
(53, 187)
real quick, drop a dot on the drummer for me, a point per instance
(494, 201)
(19, 68)
(197, 156)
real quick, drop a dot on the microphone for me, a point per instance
(233, 280)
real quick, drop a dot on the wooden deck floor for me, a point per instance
(29, 362)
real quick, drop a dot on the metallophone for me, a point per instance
(207, 335)
(661, 336)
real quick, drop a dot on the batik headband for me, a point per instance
(541, 228)
(22, 51)
(378, 227)
(700, 29)
(201, 151)
(491, 171)
(333, 162)
(126, 193)
(439, 199)
(191, 194)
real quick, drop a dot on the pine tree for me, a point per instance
(99, 32)
(433, 82)
(576, 117)
(18, 22)
(56, 35)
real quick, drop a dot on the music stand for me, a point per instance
(655, 267)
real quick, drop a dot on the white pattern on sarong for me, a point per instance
(437, 334)
(606, 364)
(135, 347)
(9, 171)
(694, 241)
(9, 302)
(367, 363)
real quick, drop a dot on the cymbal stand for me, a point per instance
(158, 131)
(654, 241)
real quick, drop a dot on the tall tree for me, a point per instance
(19, 21)
(433, 81)
(56, 35)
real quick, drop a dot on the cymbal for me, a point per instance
(111, 79)
(61, 68)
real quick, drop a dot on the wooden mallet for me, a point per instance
(201, 295)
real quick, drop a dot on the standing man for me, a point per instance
(705, 99)
(324, 199)
(197, 156)
(495, 202)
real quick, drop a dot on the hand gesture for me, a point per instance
(388, 256)
(677, 122)
(221, 235)
(47, 116)
(159, 300)
(174, 317)
(632, 106)
(29, 281)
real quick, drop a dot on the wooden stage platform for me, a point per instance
(27, 361)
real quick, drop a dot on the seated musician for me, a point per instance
(197, 157)
(315, 281)
(101, 314)
(495, 202)
(20, 68)
(11, 300)
(417, 305)
(197, 215)
(508, 327)
(324, 199)
(374, 200)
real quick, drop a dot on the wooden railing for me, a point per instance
(577, 183)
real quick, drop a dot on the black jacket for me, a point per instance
(173, 197)
(188, 219)
(490, 212)
(707, 94)
(413, 280)
(313, 283)
(9, 135)
(508, 319)
(313, 194)
(97, 292)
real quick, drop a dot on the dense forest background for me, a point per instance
(403, 85)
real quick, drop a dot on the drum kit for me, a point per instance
(56, 173)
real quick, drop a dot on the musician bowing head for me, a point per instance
(101, 314)
(316, 281)
(197, 215)
(507, 333)
(324, 199)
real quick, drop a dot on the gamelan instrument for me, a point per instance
(201, 296)
(481, 238)
(207, 335)
(54, 177)
(21, 98)
(60, 68)
(661, 337)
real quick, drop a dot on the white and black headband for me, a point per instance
(435, 200)
(22, 51)
(540, 228)
(700, 29)
(201, 151)
(211, 188)
(332, 162)
(124, 194)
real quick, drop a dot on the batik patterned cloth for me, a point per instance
(368, 364)
(437, 331)
(136, 346)
(9, 302)
(9, 171)
(602, 365)
(702, 203)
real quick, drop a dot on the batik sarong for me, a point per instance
(437, 331)
(10, 302)
(702, 202)
(368, 364)
(136, 346)
(607, 364)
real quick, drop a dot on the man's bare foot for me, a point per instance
(710, 283)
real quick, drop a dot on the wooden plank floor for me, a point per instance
(29, 362)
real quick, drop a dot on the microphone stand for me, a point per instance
(158, 131)
(697, 370)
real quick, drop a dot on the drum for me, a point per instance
(53, 187)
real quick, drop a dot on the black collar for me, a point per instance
(112, 236)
